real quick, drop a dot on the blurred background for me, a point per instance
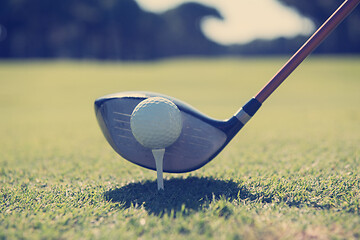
(130, 30)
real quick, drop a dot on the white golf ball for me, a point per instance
(156, 123)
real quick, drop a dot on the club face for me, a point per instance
(200, 141)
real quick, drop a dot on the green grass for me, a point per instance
(291, 173)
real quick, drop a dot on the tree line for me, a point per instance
(121, 30)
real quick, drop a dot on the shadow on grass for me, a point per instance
(183, 196)
(180, 195)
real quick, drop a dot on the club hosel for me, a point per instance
(248, 111)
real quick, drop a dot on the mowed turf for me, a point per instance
(291, 173)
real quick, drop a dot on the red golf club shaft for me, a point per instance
(314, 41)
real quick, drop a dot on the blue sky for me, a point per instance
(245, 20)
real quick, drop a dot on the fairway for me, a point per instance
(291, 173)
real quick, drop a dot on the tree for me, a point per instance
(344, 39)
(107, 29)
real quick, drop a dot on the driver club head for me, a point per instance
(201, 138)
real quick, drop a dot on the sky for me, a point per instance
(244, 20)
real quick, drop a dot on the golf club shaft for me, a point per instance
(314, 41)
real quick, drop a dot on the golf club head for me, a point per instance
(201, 138)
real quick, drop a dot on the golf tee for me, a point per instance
(159, 157)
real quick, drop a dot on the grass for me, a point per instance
(291, 173)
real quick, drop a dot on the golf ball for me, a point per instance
(156, 123)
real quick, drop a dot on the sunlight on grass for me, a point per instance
(292, 172)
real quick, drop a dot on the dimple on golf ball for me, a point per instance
(156, 123)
